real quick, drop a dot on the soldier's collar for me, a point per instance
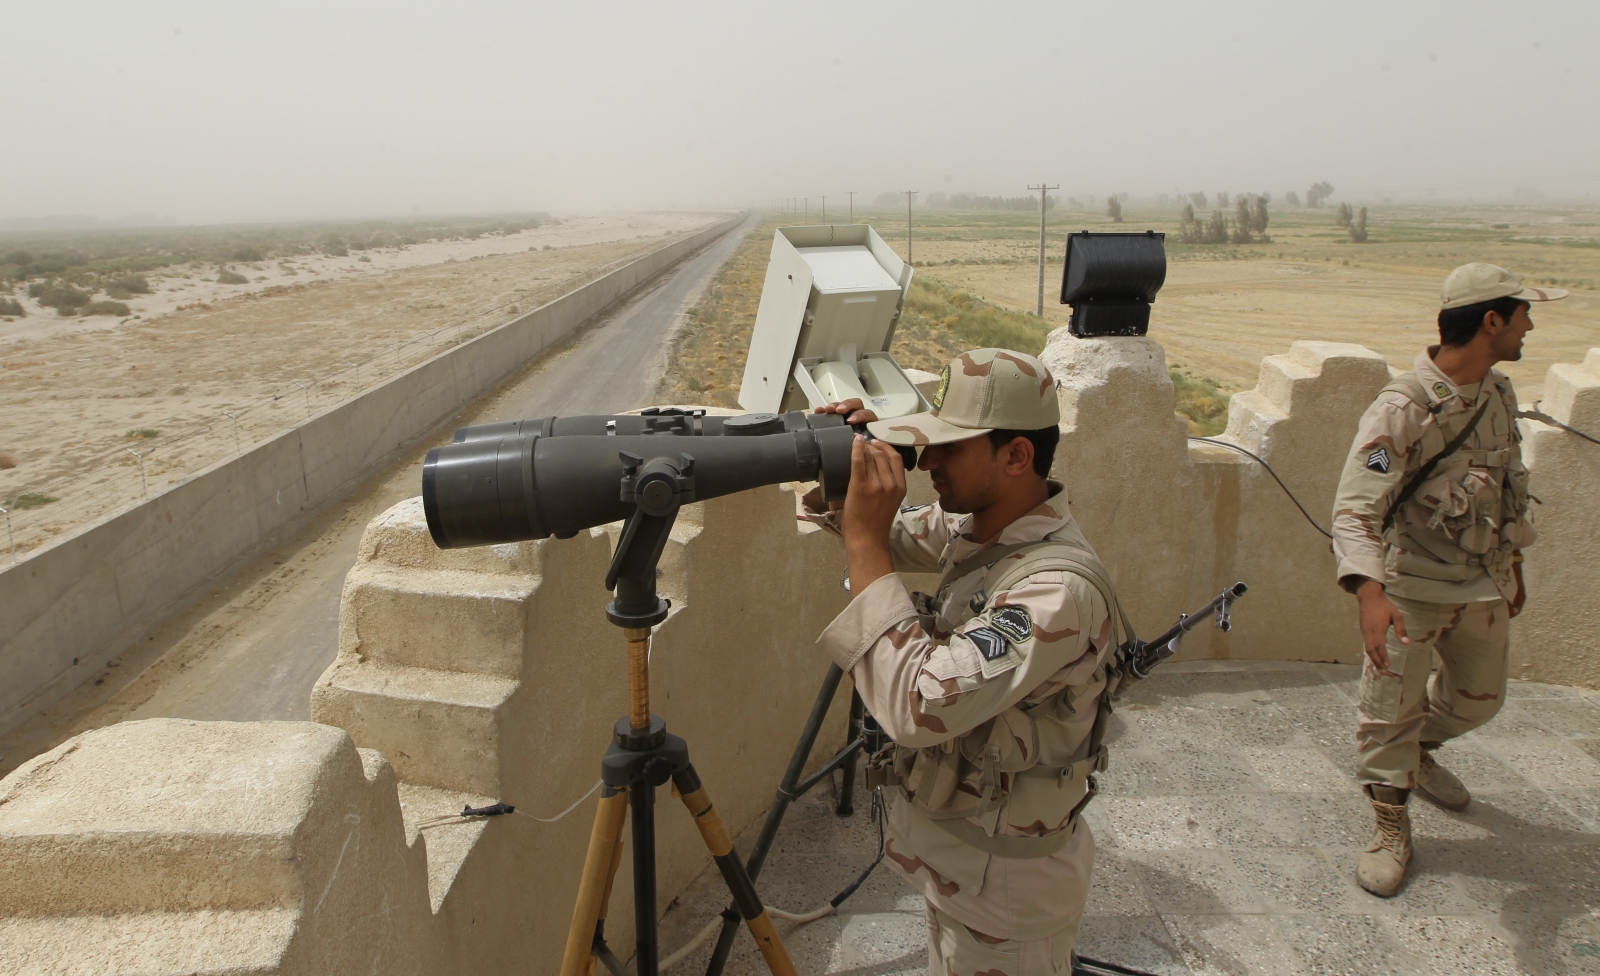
(1433, 379)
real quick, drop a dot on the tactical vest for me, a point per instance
(1452, 527)
(988, 759)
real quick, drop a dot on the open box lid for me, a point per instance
(831, 302)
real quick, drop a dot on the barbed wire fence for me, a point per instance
(121, 476)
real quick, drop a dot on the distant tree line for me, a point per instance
(1249, 224)
(1354, 222)
(973, 201)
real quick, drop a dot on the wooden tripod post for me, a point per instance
(642, 757)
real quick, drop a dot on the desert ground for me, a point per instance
(304, 333)
(1223, 308)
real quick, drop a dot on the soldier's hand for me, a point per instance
(877, 487)
(1377, 616)
(854, 411)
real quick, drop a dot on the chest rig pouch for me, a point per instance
(1462, 518)
(973, 775)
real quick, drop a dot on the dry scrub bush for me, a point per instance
(105, 307)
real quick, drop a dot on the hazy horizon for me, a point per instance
(202, 114)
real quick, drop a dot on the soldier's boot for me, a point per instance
(1382, 867)
(1441, 785)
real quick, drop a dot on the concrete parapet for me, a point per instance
(175, 846)
(492, 674)
(1554, 638)
(1177, 520)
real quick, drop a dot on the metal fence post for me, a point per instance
(144, 486)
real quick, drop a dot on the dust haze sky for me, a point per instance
(210, 112)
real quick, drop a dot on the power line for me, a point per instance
(1286, 491)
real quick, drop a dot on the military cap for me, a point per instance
(980, 391)
(1480, 282)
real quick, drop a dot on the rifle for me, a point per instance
(1137, 659)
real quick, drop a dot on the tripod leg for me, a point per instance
(847, 788)
(598, 866)
(780, 806)
(642, 810)
(605, 904)
(744, 890)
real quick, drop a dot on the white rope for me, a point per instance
(575, 805)
(457, 817)
(716, 923)
(691, 945)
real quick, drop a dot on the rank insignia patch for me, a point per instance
(1379, 461)
(1014, 623)
(990, 644)
(944, 384)
(1441, 389)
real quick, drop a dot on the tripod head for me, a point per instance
(657, 489)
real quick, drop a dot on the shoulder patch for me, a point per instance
(1441, 389)
(1379, 461)
(989, 643)
(1013, 622)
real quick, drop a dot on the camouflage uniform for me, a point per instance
(1445, 562)
(991, 689)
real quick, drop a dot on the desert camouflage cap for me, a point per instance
(982, 390)
(1480, 282)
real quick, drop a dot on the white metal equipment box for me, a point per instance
(829, 307)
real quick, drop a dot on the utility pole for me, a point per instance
(852, 206)
(144, 487)
(824, 209)
(805, 214)
(909, 195)
(1039, 311)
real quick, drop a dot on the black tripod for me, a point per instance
(644, 756)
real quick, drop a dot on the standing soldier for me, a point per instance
(1429, 525)
(992, 687)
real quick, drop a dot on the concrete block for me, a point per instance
(439, 728)
(167, 845)
(444, 620)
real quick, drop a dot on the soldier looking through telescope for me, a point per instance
(1428, 527)
(993, 687)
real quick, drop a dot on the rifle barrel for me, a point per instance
(1191, 621)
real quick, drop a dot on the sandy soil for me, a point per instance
(76, 399)
(1219, 317)
(179, 288)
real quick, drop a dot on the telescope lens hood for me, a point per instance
(481, 492)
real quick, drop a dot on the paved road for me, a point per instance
(253, 647)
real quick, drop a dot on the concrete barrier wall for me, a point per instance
(71, 606)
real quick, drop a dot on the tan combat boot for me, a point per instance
(1440, 785)
(1382, 867)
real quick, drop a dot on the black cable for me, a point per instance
(878, 817)
(1544, 418)
(1286, 491)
